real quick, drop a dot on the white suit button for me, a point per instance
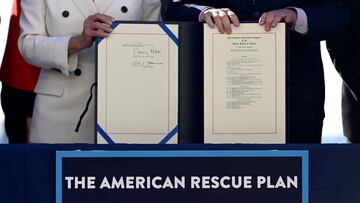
(124, 9)
(77, 72)
(65, 14)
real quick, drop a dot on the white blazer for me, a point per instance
(64, 84)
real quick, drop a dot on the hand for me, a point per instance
(221, 18)
(273, 18)
(97, 25)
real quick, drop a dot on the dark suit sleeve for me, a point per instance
(183, 10)
(326, 19)
(345, 51)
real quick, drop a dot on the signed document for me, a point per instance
(137, 78)
(245, 85)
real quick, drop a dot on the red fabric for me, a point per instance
(15, 72)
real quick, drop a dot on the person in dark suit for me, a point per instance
(345, 50)
(311, 21)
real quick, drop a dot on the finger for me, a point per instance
(277, 20)
(111, 18)
(290, 16)
(209, 20)
(218, 22)
(225, 21)
(269, 20)
(263, 18)
(103, 18)
(233, 17)
(103, 33)
(102, 26)
(92, 27)
(95, 33)
(289, 20)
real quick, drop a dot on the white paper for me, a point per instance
(245, 85)
(138, 84)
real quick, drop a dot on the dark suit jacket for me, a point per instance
(326, 19)
(345, 50)
(164, 4)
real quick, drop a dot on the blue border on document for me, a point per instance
(304, 154)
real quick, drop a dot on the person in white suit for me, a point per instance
(58, 36)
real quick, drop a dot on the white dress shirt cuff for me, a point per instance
(202, 12)
(301, 26)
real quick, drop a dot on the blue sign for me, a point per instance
(182, 176)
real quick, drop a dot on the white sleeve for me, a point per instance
(301, 25)
(151, 10)
(35, 44)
